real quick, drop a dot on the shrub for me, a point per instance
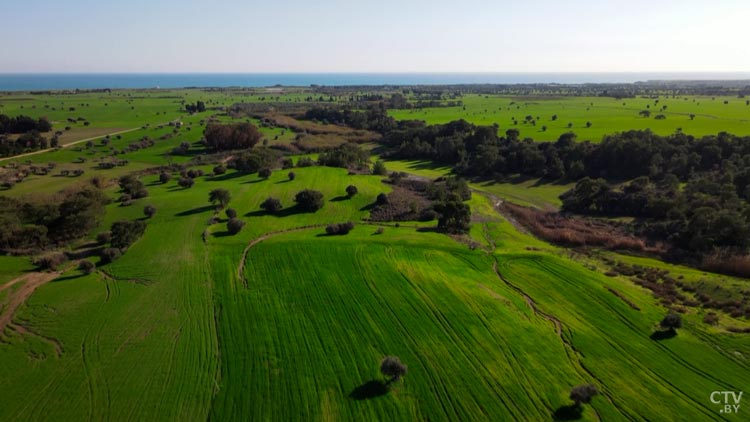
(231, 213)
(234, 225)
(149, 211)
(108, 255)
(351, 190)
(380, 230)
(104, 237)
(379, 168)
(271, 205)
(671, 322)
(219, 170)
(305, 162)
(309, 200)
(86, 266)
(186, 182)
(165, 177)
(292, 175)
(50, 261)
(382, 199)
(125, 233)
(392, 367)
(339, 228)
(133, 187)
(287, 163)
(264, 173)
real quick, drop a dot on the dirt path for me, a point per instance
(241, 267)
(17, 298)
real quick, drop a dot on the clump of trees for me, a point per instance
(224, 137)
(198, 107)
(339, 228)
(23, 124)
(392, 368)
(349, 155)
(309, 200)
(252, 161)
(133, 187)
(185, 182)
(125, 233)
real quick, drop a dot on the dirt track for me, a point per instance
(31, 282)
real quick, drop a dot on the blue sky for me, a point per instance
(377, 36)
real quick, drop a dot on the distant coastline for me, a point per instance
(59, 81)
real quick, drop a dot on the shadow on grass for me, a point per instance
(225, 176)
(194, 211)
(79, 274)
(369, 390)
(368, 207)
(284, 212)
(571, 412)
(283, 181)
(221, 234)
(255, 181)
(662, 335)
(340, 198)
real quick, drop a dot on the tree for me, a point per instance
(219, 197)
(233, 136)
(392, 367)
(108, 255)
(588, 124)
(455, 216)
(133, 187)
(671, 322)
(125, 233)
(165, 177)
(271, 205)
(86, 266)
(583, 393)
(185, 182)
(219, 170)
(351, 190)
(292, 175)
(231, 213)
(234, 225)
(309, 200)
(339, 228)
(264, 173)
(149, 211)
(379, 168)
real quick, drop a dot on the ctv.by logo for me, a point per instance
(729, 400)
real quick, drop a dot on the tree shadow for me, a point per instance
(570, 412)
(283, 181)
(340, 198)
(663, 335)
(369, 390)
(368, 207)
(224, 233)
(284, 212)
(226, 176)
(194, 211)
(254, 181)
(69, 277)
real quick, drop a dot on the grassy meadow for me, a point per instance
(280, 322)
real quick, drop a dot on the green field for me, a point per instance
(281, 322)
(607, 115)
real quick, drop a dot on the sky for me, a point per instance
(374, 36)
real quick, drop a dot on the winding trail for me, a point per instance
(243, 258)
(31, 282)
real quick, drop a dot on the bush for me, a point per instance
(219, 170)
(309, 200)
(235, 225)
(186, 182)
(86, 266)
(132, 186)
(125, 233)
(108, 255)
(149, 211)
(671, 322)
(264, 173)
(104, 237)
(339, 228)
(305, 162)
(382, 199)
(351, 190)
(271, 205)
(583, 393)
(165, 177)
(50, 261)
(287, 163)
(231, 213)
(292, 175)
(379, 168)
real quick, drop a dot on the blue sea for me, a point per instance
(54, 81)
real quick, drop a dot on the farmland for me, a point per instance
(283, 322)
(553, 115)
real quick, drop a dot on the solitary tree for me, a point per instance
(271, 205)
(309, 200)
(292, 175)
(392, 367)
(583, 393)
(264, 173)
(220, 197)
(165, 177)
(671, 322)
(351, 190)
(234, 225)
(588, 124)
(379, 168)
(149, 211)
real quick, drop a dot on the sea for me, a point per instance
(68, 81)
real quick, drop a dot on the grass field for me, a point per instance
(281, 322)
(607, 115)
